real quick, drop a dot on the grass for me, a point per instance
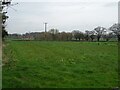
(40, 64)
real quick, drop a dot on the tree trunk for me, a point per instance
(107, 40)
(118, 38)
(76, 39)
(87, 38)
(98, 38)
(92, 39)
(79, 39)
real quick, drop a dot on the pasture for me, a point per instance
(47, 64)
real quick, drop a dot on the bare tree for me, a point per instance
(87, 35)
(116, 29)
(81, 36)
(75, 34)
(92, 35)
(99, 32)
(108, 36)
(69, 36)
(63, 36)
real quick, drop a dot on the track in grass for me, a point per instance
(41, 64)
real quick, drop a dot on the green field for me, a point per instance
(40, 64)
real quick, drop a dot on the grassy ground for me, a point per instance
(38, 64)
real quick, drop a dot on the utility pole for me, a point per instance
(1, 26)
(119, 12)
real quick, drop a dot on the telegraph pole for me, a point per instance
(119, 12)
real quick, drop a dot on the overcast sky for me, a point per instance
(64, 15)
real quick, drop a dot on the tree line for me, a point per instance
(97, 34)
